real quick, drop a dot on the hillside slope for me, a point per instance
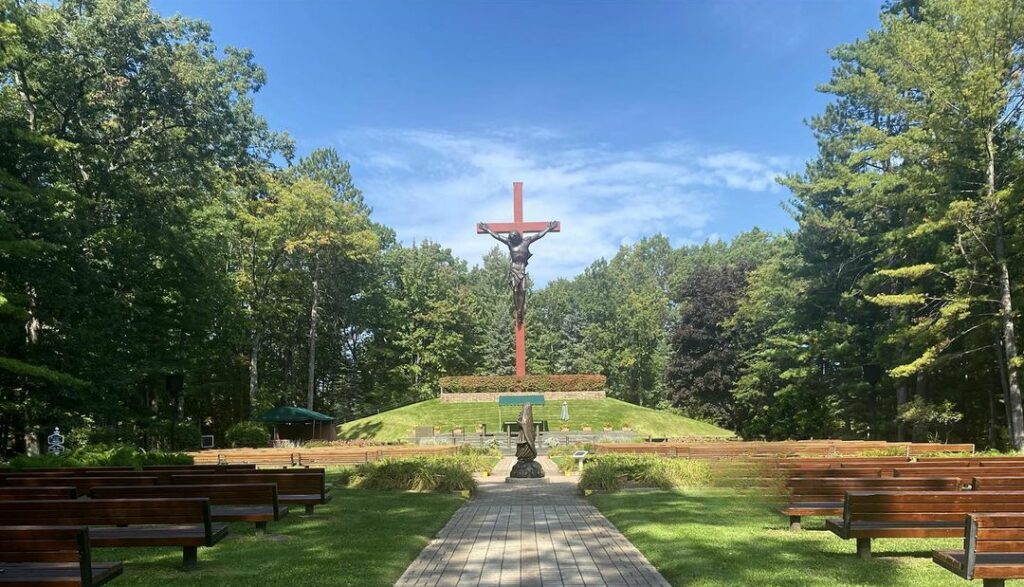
(397, 424)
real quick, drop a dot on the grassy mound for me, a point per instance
(397, 424)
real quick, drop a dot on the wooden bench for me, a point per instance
(915, 514)
(824, 496)
(966, 474)
(38, 493)
(997, 483)
(213, 468)
(55, 556)
(993, 549)
(294, 487)
(82, 484)
(126, 522)
(237, 502)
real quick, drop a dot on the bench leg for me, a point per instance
(864, 548)
(309, 509)
(261, 527)
(189, 557)
(993, 582)
(794, 523)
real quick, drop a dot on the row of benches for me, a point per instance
(317, 456)
(979, 500)
(732, 449)
(77, 508)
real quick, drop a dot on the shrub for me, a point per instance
(612, 472)
(526, 384)
(248, 435)
(479, 459)
(118, 455)
(343, 476)
(415, 474)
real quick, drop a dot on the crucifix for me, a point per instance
(518, 242)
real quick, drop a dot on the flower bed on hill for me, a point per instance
(526, 384)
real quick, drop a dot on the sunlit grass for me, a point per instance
(399, 423)
(360, 538)
(719, 538)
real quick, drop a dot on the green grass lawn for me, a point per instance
(398, 424)
(359, 538)
(719, 537)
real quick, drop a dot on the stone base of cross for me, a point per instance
(522, 227)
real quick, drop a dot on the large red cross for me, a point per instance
(523, 227)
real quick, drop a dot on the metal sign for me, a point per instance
(518, 400)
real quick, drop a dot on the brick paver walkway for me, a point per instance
(535, 534)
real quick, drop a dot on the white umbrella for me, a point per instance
(565, 411)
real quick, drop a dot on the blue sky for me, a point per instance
(622, 118)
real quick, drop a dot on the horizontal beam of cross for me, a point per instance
(523, 227)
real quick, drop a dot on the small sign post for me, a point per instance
(55, 443)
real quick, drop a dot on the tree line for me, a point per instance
(154, 230)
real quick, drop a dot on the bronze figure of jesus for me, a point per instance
(519, 256)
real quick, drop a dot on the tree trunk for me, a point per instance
(1016, 424)
(993, 436)
(902, 393)
(311, 375)
(254, 370)
(920, 430)
(1001, 361)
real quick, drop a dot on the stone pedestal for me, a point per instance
(527, 469)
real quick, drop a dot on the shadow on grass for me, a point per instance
(360, 538)
(362, 430)
(722, 537)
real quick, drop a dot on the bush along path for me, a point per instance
(529, 534)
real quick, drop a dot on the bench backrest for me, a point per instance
(47, 544)
(925, 507)
(208, 467)
(287, 483)
(83, 484)
(965, 473)
(228, 494)
(987, 533)
(997, 483)
(38, 493)
(823, 488)
(109, 512)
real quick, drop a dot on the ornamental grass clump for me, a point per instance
(415, 474)
(613, 472)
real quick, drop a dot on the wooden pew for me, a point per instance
(966, 474)
(293, 487)
(215, 468)
(997, 483)
(82, 484)
(993, 549)
(157, 522)
(54, 556)
(24, 493)
(915, 514)
(824, 496)
(237, 502)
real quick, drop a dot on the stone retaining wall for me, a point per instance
(462, 398)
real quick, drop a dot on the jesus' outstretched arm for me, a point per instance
(486, 228)
(551, 226)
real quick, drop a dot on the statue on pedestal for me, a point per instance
(526, 448)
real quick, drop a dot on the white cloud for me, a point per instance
(429, 184)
